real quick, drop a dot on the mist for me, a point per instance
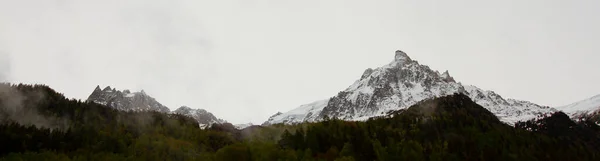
(20, 108)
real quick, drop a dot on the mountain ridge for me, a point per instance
(126, 100)
(588, 108)
(140, 101)
(398, 85)
(205, 119)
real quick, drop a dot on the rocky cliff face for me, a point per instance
(126, 100)
(204, 118)
(140, 101)
(398, 85)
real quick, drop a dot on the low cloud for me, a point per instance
(21, 108)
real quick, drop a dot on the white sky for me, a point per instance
(245, 60)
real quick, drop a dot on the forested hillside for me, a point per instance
(37, 123)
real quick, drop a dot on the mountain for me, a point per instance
(126, 100)
(446, 128)
(204, 118)
(140, 101)
(398, 85)
(304, 113)
(588, 108)
(243, 126)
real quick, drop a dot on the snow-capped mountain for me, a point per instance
(588, 108)
(204, 118)
(399, 85)
(507, 110)
(126, 100)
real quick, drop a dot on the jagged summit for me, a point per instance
(125, 100)
(401, 56)
(399, 85)
(140, 101)
(107, 89)
(97, 88)
(446, 76)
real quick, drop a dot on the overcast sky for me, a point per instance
(245, 60)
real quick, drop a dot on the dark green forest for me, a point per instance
(38, 123)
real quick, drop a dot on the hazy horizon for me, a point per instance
(246, 60)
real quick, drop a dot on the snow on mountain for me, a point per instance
(243, 126)
(304, 113)
(204, 118)
(140, 101)
(125, 100)
(507, 110)
(585, 108)
(399, 85)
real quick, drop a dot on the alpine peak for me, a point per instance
(107, 89)
(97, 89)
(399, 85)
(401, 56)
(446, 76)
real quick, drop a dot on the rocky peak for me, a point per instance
(141, 101)
(401, 56)
(107, 89)
(203, 117)
(126, 101)
(399, 85)
(446, 77)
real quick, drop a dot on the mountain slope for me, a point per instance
(508, 110)
(140, 101)
(243, 126)
(398, 85)
(588, 108)
(305, 113)
(461, 128)
(204, 118)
